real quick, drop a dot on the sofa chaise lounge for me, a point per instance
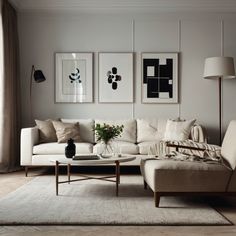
(171, 177)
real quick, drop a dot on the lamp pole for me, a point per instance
(220, 110)
(219, 68)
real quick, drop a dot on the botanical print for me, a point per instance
(74, 82)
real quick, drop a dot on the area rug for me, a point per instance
(94, 202)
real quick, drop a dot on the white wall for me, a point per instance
(196, 36)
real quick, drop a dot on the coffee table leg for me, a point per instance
(56, 173)
(68, 173)
(117, 177)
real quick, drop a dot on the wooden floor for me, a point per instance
(10, 182)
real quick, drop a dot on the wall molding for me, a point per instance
(134, 5)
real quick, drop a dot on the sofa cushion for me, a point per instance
(129, 130)
(59, 148)
(85, 127)
(150, 129)
(178, 130)
(149, 147)
(66, 131)
(119, 147)
(185, 176)
(47, 132)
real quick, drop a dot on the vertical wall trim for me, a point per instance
(179, 49)
(222, 38)
(133, 42)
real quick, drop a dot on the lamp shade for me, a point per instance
(39, 76)
(216, 67)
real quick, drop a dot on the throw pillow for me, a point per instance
(65, 131)
(47, 133)
(178, 130)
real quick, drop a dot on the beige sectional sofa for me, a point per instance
(137, 136)
(170, 177)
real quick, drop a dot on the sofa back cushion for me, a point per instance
(228, 150)
(178, 130)
(47, 132)
(150, 129)
(129, 130)
(66, 131)
(86, 128)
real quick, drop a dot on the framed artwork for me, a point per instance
(115, 77)
(159, 77)
(74, 77)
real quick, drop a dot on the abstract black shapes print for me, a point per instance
(113, 78)
(75, 77)
(158, 77)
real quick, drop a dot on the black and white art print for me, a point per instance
(74, 77)
(115, 77)
(160, 77)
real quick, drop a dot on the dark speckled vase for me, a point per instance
(70, 148)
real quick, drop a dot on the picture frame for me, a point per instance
(74, 77)
(159, 77)
(115, 77)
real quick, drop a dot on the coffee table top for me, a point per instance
(102, 161)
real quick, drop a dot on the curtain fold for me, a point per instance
(10, 97)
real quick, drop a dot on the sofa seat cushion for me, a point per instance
(59, 148)
(185, 176)
(149, 147)
(119, 147)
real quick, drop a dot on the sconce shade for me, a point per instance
(216, 67)
(39, 76)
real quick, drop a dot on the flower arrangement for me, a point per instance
(106, 132)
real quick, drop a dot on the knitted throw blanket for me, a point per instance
(211, 153)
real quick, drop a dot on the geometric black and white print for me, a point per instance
(115, 77)
(158, 77)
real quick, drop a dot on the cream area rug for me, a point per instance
(93, 202)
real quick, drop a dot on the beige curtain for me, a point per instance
(10, 88)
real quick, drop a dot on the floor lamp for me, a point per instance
(219, 68)
(38, 78)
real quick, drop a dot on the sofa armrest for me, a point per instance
(29, 137)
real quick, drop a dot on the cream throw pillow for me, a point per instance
(65, 131)
(178, 130)
(47, 133)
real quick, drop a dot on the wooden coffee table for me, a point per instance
(103, 161)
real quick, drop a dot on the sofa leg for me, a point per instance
(144, 184)
(26, 171)
(157, 197)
